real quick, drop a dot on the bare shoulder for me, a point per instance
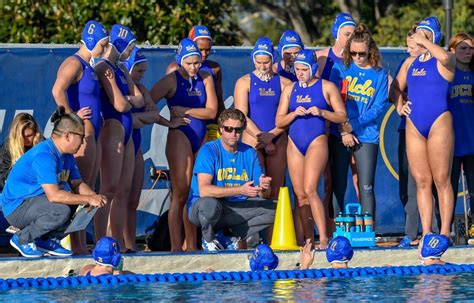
(173, 66)
(322, 52)
(213, 64)
(243, 81)
(285, 81)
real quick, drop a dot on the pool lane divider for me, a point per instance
(271, 275)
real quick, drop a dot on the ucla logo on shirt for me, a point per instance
(123, 79)
(418, 72)
(364, 89)
(301, 99)
(194, 92)
(463, 90)
(63, 176)
(230, 173)
(266, 92)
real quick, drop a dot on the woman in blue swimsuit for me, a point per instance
(257, 95)
(77, 89)
(304, 108)
(118, 96)
(429, 129)
(190, 94)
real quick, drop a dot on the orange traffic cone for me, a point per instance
(284, 236)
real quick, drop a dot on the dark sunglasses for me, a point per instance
(229, 129)
(361, 54)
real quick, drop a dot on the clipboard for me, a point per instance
(81, 219)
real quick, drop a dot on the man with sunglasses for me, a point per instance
(43, 187)
(229, 190)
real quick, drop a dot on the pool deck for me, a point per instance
(152, 262)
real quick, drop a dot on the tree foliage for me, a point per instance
(158, 22)
(232, 22)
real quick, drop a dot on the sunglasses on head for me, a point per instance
(361, 54)
(230, 129)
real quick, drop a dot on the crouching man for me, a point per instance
(42, 188)
(229, 190)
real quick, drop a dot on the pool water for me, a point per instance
(457, 287)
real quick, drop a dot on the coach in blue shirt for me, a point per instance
(42, 186)
(229, 188)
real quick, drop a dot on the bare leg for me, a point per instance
(275, 166)
(296, 170)
(112, 138)
(131, 219)
(440, 153)
(417, 154)
(86, 162)
(181, 166)
(118, 210)
(314, 164)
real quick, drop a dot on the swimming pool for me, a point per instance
(450, 287)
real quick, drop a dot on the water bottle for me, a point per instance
(350, 223)
(368, 222)
(359, 221)
(339, 222)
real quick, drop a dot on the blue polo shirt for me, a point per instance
(227, 169)
(43, 164)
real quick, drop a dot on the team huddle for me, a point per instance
(311, 113)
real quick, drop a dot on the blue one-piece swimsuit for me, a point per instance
(108, 110)
(193, 97)
(86, 93)
(428, 94)
(264, 98)
(305, 129)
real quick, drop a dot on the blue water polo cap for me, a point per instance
(136, 57)
(341, 20)
(263, 258)
(434, 246)
(289, 39)
(92, 34)
(432, 25)
(121, 37)
(107, 252)
(339, 250)
(187, 48)
(198, 32)
(306, 57)
(263, 46)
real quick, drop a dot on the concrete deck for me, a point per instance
(223, 261)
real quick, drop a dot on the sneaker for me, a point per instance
(405, 242)
(53, 247)
(26, 250)
(214, 245)
(229, 243)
